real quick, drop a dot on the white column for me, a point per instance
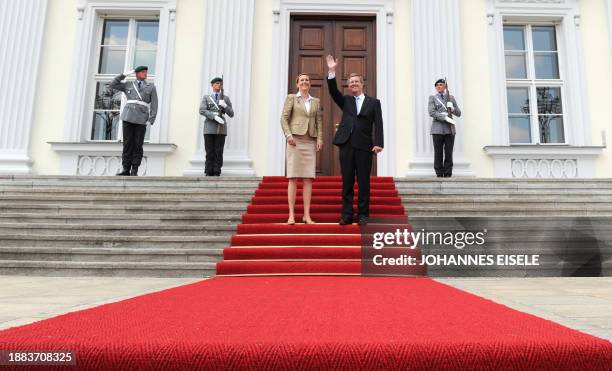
(436, 53)
(228, 43)
(22, 26)
(610, 23)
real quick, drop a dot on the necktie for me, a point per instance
(139, 84)
(216, 97)
(357, 104)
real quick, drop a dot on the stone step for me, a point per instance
(468, 209)
(224, 178)
(15, 189)
(131, 180)
(118, 230)
(548, 212)
(503, 191)
(107, 269)
(116, 188)
(134, 210)
(136, 193)
(130, 183)
(211, 200)
(513, 200)
(505, 196)
(48, 240)
(512, 223)
(502, 185)
(217, 199)
(82, 254)
(203, 219)
(516, 228)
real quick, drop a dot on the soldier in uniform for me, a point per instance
(140, 110)
(214, 107)
(443, 128)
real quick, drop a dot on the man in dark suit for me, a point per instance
(359, 138)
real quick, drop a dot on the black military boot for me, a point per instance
(134, 171)
(125, 172)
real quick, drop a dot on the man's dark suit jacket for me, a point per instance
(363, 130)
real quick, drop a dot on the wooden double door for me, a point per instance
(352, 41)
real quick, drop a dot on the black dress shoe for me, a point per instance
(125, 172)
(134, 171)
(363, 221)
(447, 175)
(345, 221)
(439, 175)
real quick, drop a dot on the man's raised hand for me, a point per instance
(331, 62)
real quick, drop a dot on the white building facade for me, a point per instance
(532, 78)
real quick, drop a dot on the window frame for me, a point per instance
(132, 19)
(532, 83)
(77, 117)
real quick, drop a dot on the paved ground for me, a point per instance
(584, 304)
(30, 299)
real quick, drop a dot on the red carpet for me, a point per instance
(311, 323)
(265, 245)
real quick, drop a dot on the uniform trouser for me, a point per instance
(213, 144)
(443, 149)
(353, 162)
(133, 139)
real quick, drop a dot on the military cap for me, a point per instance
(440, 81)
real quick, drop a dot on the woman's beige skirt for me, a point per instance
(302, 158)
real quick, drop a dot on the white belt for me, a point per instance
(148, 105)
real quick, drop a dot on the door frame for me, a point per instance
(382, 10)
(369, 22)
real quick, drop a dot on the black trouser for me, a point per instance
(355, 162)
(213, 144)
(133, 139)
(443, 145)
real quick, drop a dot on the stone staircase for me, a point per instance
(178, 226)
(111, 226)
(457, 197)
(567, 222)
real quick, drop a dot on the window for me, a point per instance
(534, 86)
(124, 44)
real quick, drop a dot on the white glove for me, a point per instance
(450, 105)
(127, 73)
(148, 123)
(219, 120)
(449, 120)
(222, 103)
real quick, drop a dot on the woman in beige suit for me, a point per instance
(302, 124)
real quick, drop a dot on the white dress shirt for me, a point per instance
(307, 101)
(358, 100)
